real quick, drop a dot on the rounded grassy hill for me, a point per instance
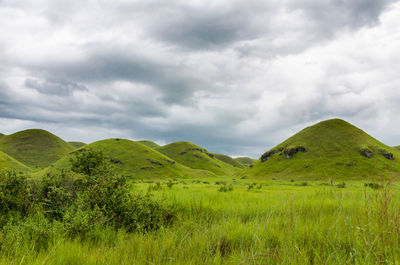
(332, 149)
(35, 148)
(133, 159)
(196, 157)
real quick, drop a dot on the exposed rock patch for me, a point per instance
(154, 162)
(290, 152)
(366, 152)
(387, 155)
(116, 161)
(169, 161)
(268, 154)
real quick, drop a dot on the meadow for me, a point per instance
(237, 221)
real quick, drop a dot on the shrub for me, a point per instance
(226, 188)
(372, 185)
(341, 185)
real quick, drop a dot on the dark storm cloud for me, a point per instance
(174, 82)
(54, 87)
(232, 22)
(232, 76)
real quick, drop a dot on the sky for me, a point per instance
(236, 77)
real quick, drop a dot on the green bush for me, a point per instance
(75, 204)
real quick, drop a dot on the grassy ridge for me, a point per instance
(9, 163)
(35, 148)
(333, 152)
(245, 160)
(149, 144)
(229, 160)
(135, 159)
(77, 144)
(196, 157)
(1, 135)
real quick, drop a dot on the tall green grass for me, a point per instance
(280, 223)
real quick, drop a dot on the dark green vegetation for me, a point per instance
(81, 204)
(77, 144)
(1, 135)
(35, 148)
(247, 161)
(149, 144)
(229, 160)
(332, 149)
(397, 148)
(196, 157)
(133, 159)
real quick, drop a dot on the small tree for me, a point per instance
(89, 162)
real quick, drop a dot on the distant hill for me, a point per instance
(397, 147)
(9, 163)
(35, 148)
(1, 135)
(77, 144)
(245, 160)
(196, 157)
(332, 149)
(134, 159)
(149, 144)
(229, 160)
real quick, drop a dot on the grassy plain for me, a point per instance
(257, 222)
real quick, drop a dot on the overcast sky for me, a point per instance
(235, 77)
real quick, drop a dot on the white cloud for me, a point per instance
(233, 76)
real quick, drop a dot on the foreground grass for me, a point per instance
(271, 223)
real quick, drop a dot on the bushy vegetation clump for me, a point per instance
(74, 204)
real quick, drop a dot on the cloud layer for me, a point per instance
(235, 77)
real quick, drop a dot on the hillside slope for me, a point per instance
(229, 160)
(35, 148)
(149, 144)
(1, 135)
(9, 163)
(332, 149)
(77, 144)
(245, 160)
(134, 159)
(196, 157)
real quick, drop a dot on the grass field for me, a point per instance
(267, 222)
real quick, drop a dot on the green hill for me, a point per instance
(397, 147)
(77, 144)
(149, 144)
(1, 135)
(35, 148)
(9, 163)
(332, 149)
(247, 161)
(195, 157)
(134, 159)
(229, 160)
